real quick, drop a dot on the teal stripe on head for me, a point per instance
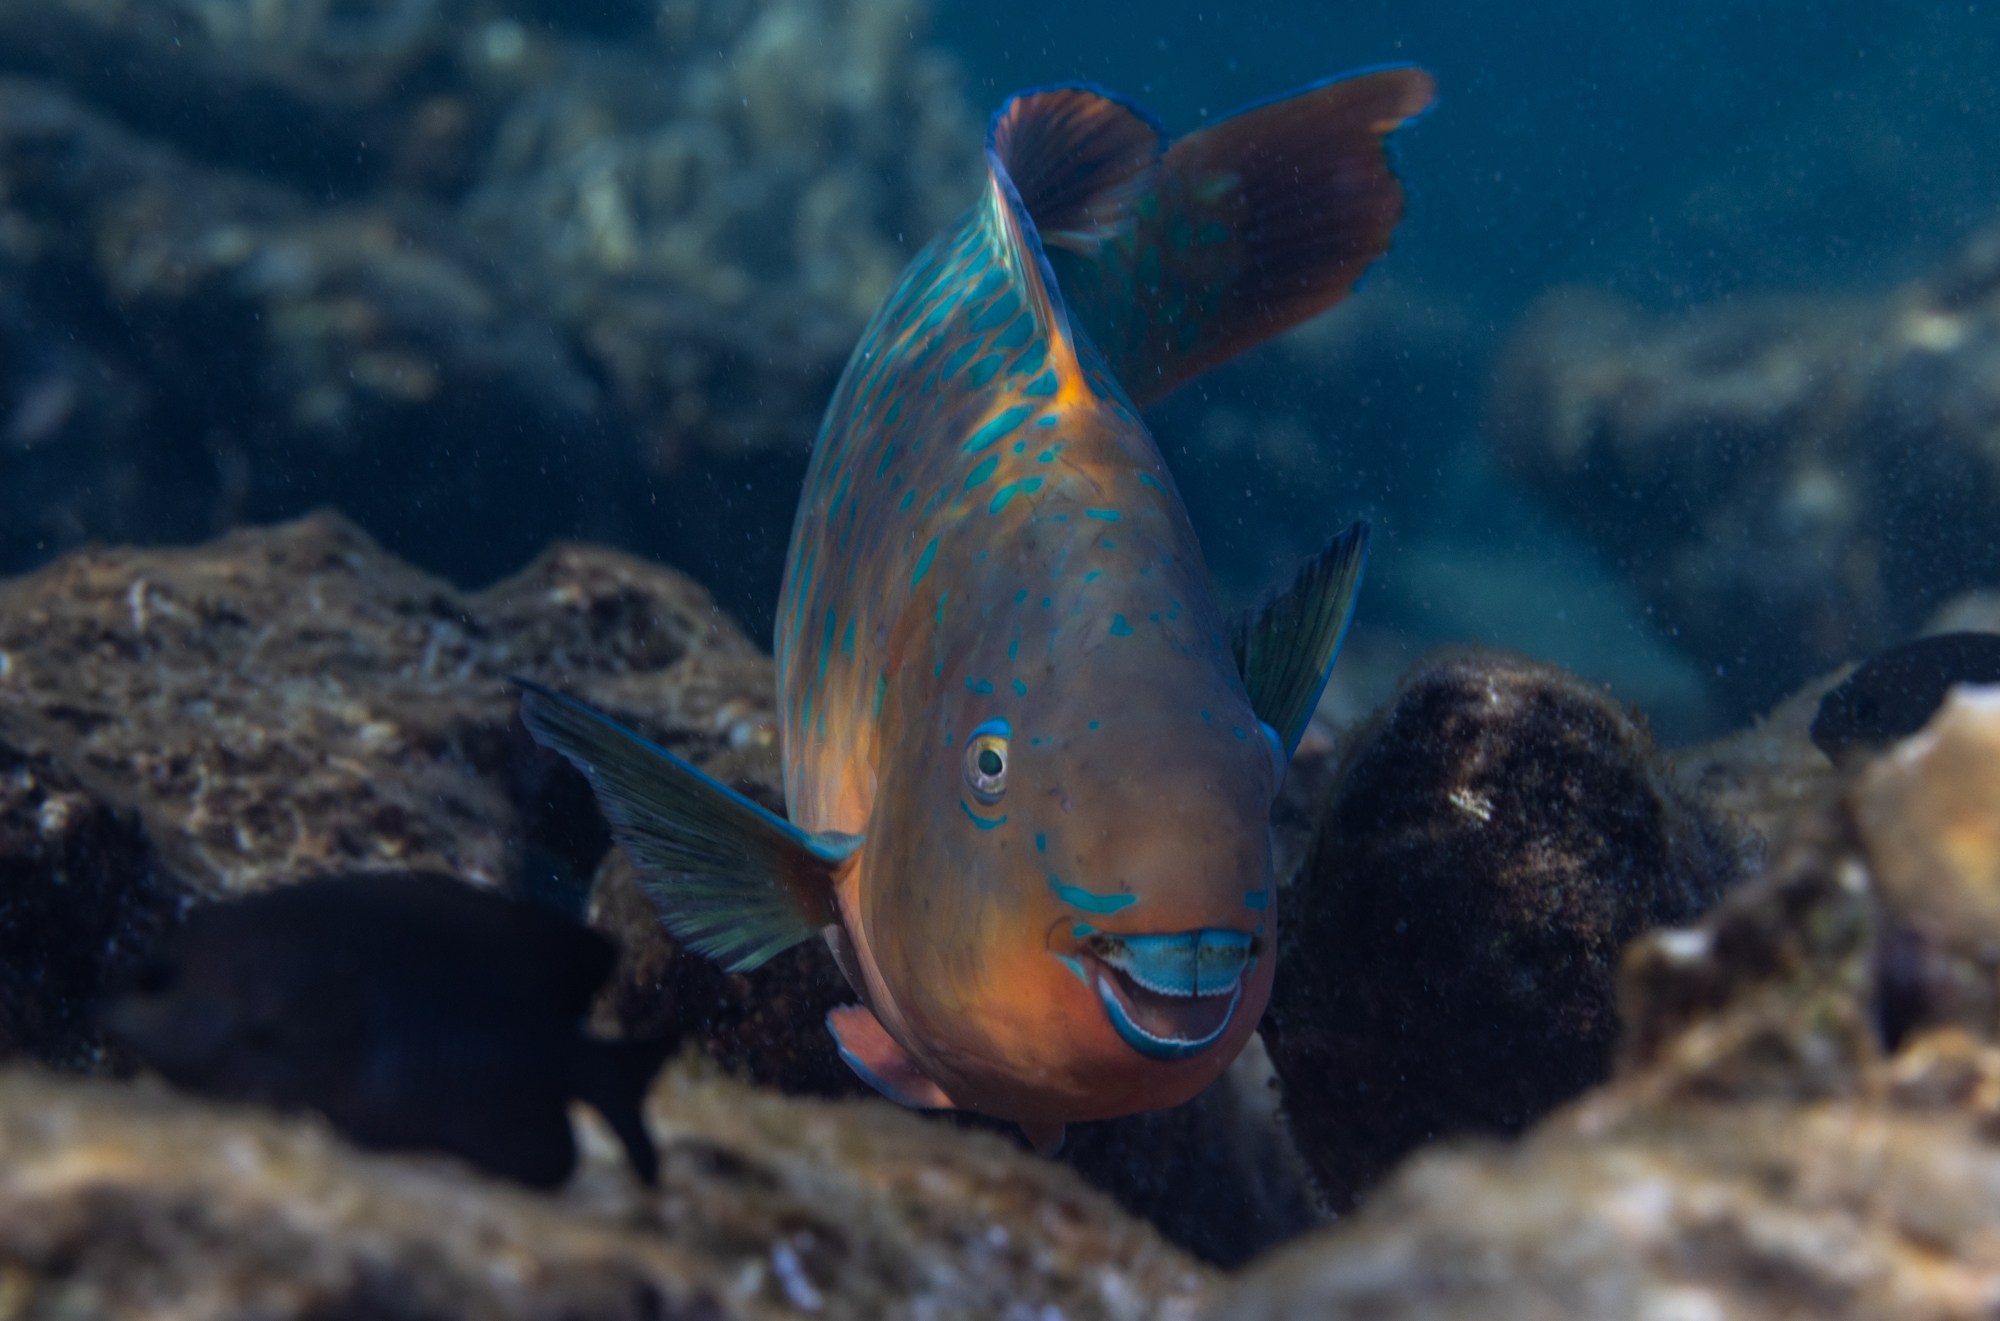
(1002, 424)
(923, 560)
(981, 473)
(1102, 515)
(1089, 901)
(984, 823)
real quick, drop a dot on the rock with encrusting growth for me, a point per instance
(122, 1201)
(1805, 1112)
(183, 725)
(1449, 957)
(1792, 482)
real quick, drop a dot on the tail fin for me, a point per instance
(735, 882)
(1234, 233)
(614, 1080)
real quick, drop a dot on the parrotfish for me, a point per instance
(1029, 761)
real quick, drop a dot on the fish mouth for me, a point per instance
(1168, 996)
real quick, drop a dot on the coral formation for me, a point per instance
(1792, 483)
(1449, 955)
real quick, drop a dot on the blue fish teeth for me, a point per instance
(1183, 964)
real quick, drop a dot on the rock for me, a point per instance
(1449, 957)
(184, 725)
(1805, 1112)
(482, 282)
(1791, 483)
(121, 1200)
(1220, 1177)
(1762, 777)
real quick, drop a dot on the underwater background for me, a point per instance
(486, 274)
(360, 358)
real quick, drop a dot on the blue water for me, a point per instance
(1672, 156)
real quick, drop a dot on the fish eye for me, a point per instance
(986, 761)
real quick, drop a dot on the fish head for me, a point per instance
(1092, 905)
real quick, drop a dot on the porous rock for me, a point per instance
(123, 1200)
(1806, 1116)
(184, 725)
(1448, 958)
(1790, 482)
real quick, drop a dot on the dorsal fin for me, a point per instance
(1240, 231)
(1066, 163)
(1077, 157)
(1285, 649)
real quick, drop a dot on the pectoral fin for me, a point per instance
(878, 1061)
(736, 882)
(1286, 648)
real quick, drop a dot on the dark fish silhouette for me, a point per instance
(411, 1010)
(1895, 695)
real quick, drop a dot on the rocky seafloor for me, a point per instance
(1564, 1026)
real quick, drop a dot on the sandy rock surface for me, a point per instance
(118, 1200)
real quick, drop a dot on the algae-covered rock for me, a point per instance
(1449, 957)
(184, 725)
(126, 1201)
(1804, 1117)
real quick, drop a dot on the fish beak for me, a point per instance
(1168, 996)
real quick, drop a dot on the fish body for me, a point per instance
(1895, 694)
(410, 1010)
(1029, 760)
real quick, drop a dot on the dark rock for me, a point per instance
(1805, 1112)
(120, 1200)
(1790, 482)
(80, 902)
(1449, 956)
(1220, 1177)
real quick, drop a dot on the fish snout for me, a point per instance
(1170, 995)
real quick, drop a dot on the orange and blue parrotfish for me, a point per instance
(1029, 761)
